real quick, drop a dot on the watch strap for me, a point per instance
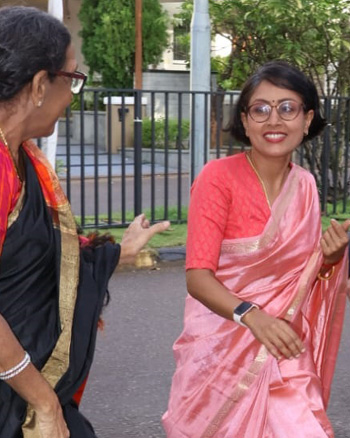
(241, 310)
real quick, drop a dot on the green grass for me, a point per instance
(338, 215)
(175, 236)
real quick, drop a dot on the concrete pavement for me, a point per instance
(96, 156)
(101, 190)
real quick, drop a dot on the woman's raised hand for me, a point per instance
(137, 235)
(334, 241)
(276, 334)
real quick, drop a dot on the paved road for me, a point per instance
(96, 192)
(172, 195)
(129, 383)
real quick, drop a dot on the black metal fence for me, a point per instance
(121, 152)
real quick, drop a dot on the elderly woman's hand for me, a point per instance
(276, 334)
(137, 235)
(51, 422)
(334, 241)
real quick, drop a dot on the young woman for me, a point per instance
(51, 290)
(267, 290)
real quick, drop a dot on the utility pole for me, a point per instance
(200, 82)
(138, 44)
(138, 110)
(49, 144)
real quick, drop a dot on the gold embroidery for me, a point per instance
(238, 393)
(246, 246)
(58, 362)
(270, 234)
(13, 216)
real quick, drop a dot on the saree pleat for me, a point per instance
(226, 385)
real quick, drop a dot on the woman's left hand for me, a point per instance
(334, 241)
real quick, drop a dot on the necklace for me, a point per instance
(251, 162)
(3, 138)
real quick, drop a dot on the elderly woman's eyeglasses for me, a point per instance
(287, 110)
(78, 80)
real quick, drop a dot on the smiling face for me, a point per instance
(276, 137)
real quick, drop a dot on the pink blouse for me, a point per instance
(227, 202)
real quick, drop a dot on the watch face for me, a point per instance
(242, 308)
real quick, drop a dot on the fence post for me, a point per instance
(325, 156)
(199, 82)
(138, 152)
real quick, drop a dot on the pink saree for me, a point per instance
(226, 385)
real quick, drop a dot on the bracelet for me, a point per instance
(12, 372)
(328, 275)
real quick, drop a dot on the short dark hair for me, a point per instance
(283, 75)
(30, 40)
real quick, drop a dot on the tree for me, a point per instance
(312, 34)
(108, 34)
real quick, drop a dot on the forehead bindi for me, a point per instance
(272, 95)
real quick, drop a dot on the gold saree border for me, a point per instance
(252, 244)
(237, 394)
(13, 216)
(260, 360)
(249, 245)
(58, 362)
(63, 221)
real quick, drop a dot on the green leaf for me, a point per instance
(108, 33)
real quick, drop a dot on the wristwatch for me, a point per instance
(242, 310)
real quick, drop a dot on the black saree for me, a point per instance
(96, 267)
(30, 289)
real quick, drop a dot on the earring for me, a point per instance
(39, 103)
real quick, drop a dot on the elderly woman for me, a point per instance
(267, 291)
(51, 288)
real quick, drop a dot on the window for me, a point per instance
(180, 43)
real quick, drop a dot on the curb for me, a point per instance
(150, 257)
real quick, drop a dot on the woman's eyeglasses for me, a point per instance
(78, 80)
(288, 110)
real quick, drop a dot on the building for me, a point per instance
(174, 58)
(71, 20)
